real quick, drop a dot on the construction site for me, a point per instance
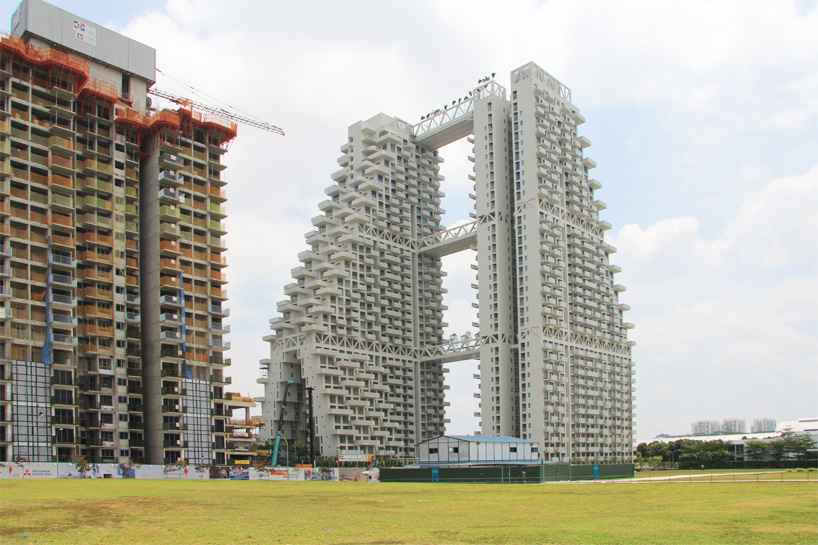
(112, 300)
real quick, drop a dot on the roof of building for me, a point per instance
(483, 439)
(82, 36)
(474, 463)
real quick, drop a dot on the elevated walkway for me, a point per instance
(449, 241)
(461, 349)
(454, 122)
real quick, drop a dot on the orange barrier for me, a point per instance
(46, 57)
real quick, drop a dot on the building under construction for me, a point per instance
(112, 273)
(362, 321)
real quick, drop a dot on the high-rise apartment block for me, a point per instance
(111, 256)
(734, 425)
(705, 427)
(761, 425)
(363, 321)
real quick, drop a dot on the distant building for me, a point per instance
(705, 427)
(802, 426)
(465, 450)
(762, 425)
(734, 425)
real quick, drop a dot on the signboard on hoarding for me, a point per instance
(354, 458)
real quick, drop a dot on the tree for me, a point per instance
(705, 454)
(791, 445)
(756, 449)
(658, 448)
(82, 464)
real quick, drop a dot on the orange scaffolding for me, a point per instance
(46, 58)
(129, 116)
(210, 122)
(185, 118)
(100, 91)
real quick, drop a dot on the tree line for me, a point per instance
(718, 454)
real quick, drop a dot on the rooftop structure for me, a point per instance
(362, 322)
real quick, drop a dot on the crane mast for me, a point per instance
(218, 111)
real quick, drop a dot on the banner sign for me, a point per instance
(85, 32)
(354, 458)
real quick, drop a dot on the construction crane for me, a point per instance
(218, 111)
(280, 423)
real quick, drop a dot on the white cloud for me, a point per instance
(714, 98)
(731, 320)
(779, 227)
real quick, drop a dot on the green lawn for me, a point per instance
(168, 511)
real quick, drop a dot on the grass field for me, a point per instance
(167, 511)
(731, 475)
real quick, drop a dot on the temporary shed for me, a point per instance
(469, 450)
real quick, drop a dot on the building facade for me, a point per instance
(734, 425)
(362, 325)
(471, 450)
(763, 425)
(705, 427)
(111, 252)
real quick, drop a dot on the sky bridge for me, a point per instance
(454, 122)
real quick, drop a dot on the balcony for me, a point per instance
(171, 352)
(168, 196)
(60, 301)
(217, 210)
(63, 280)
(171, 161)
(172, 300)
(216, 343)
(219, 310)
(62, 339)
(170, 318)
(219, 328)
(169, 247)
(170, 282)
(66, 260)
(169, 213)
(65, 319)
(168, 178)
(170, 336)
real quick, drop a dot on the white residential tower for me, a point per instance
(363, 321)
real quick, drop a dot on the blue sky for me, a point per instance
(704, 122)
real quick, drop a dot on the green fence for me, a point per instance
(507, 474)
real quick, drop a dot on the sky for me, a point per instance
(703, 118)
